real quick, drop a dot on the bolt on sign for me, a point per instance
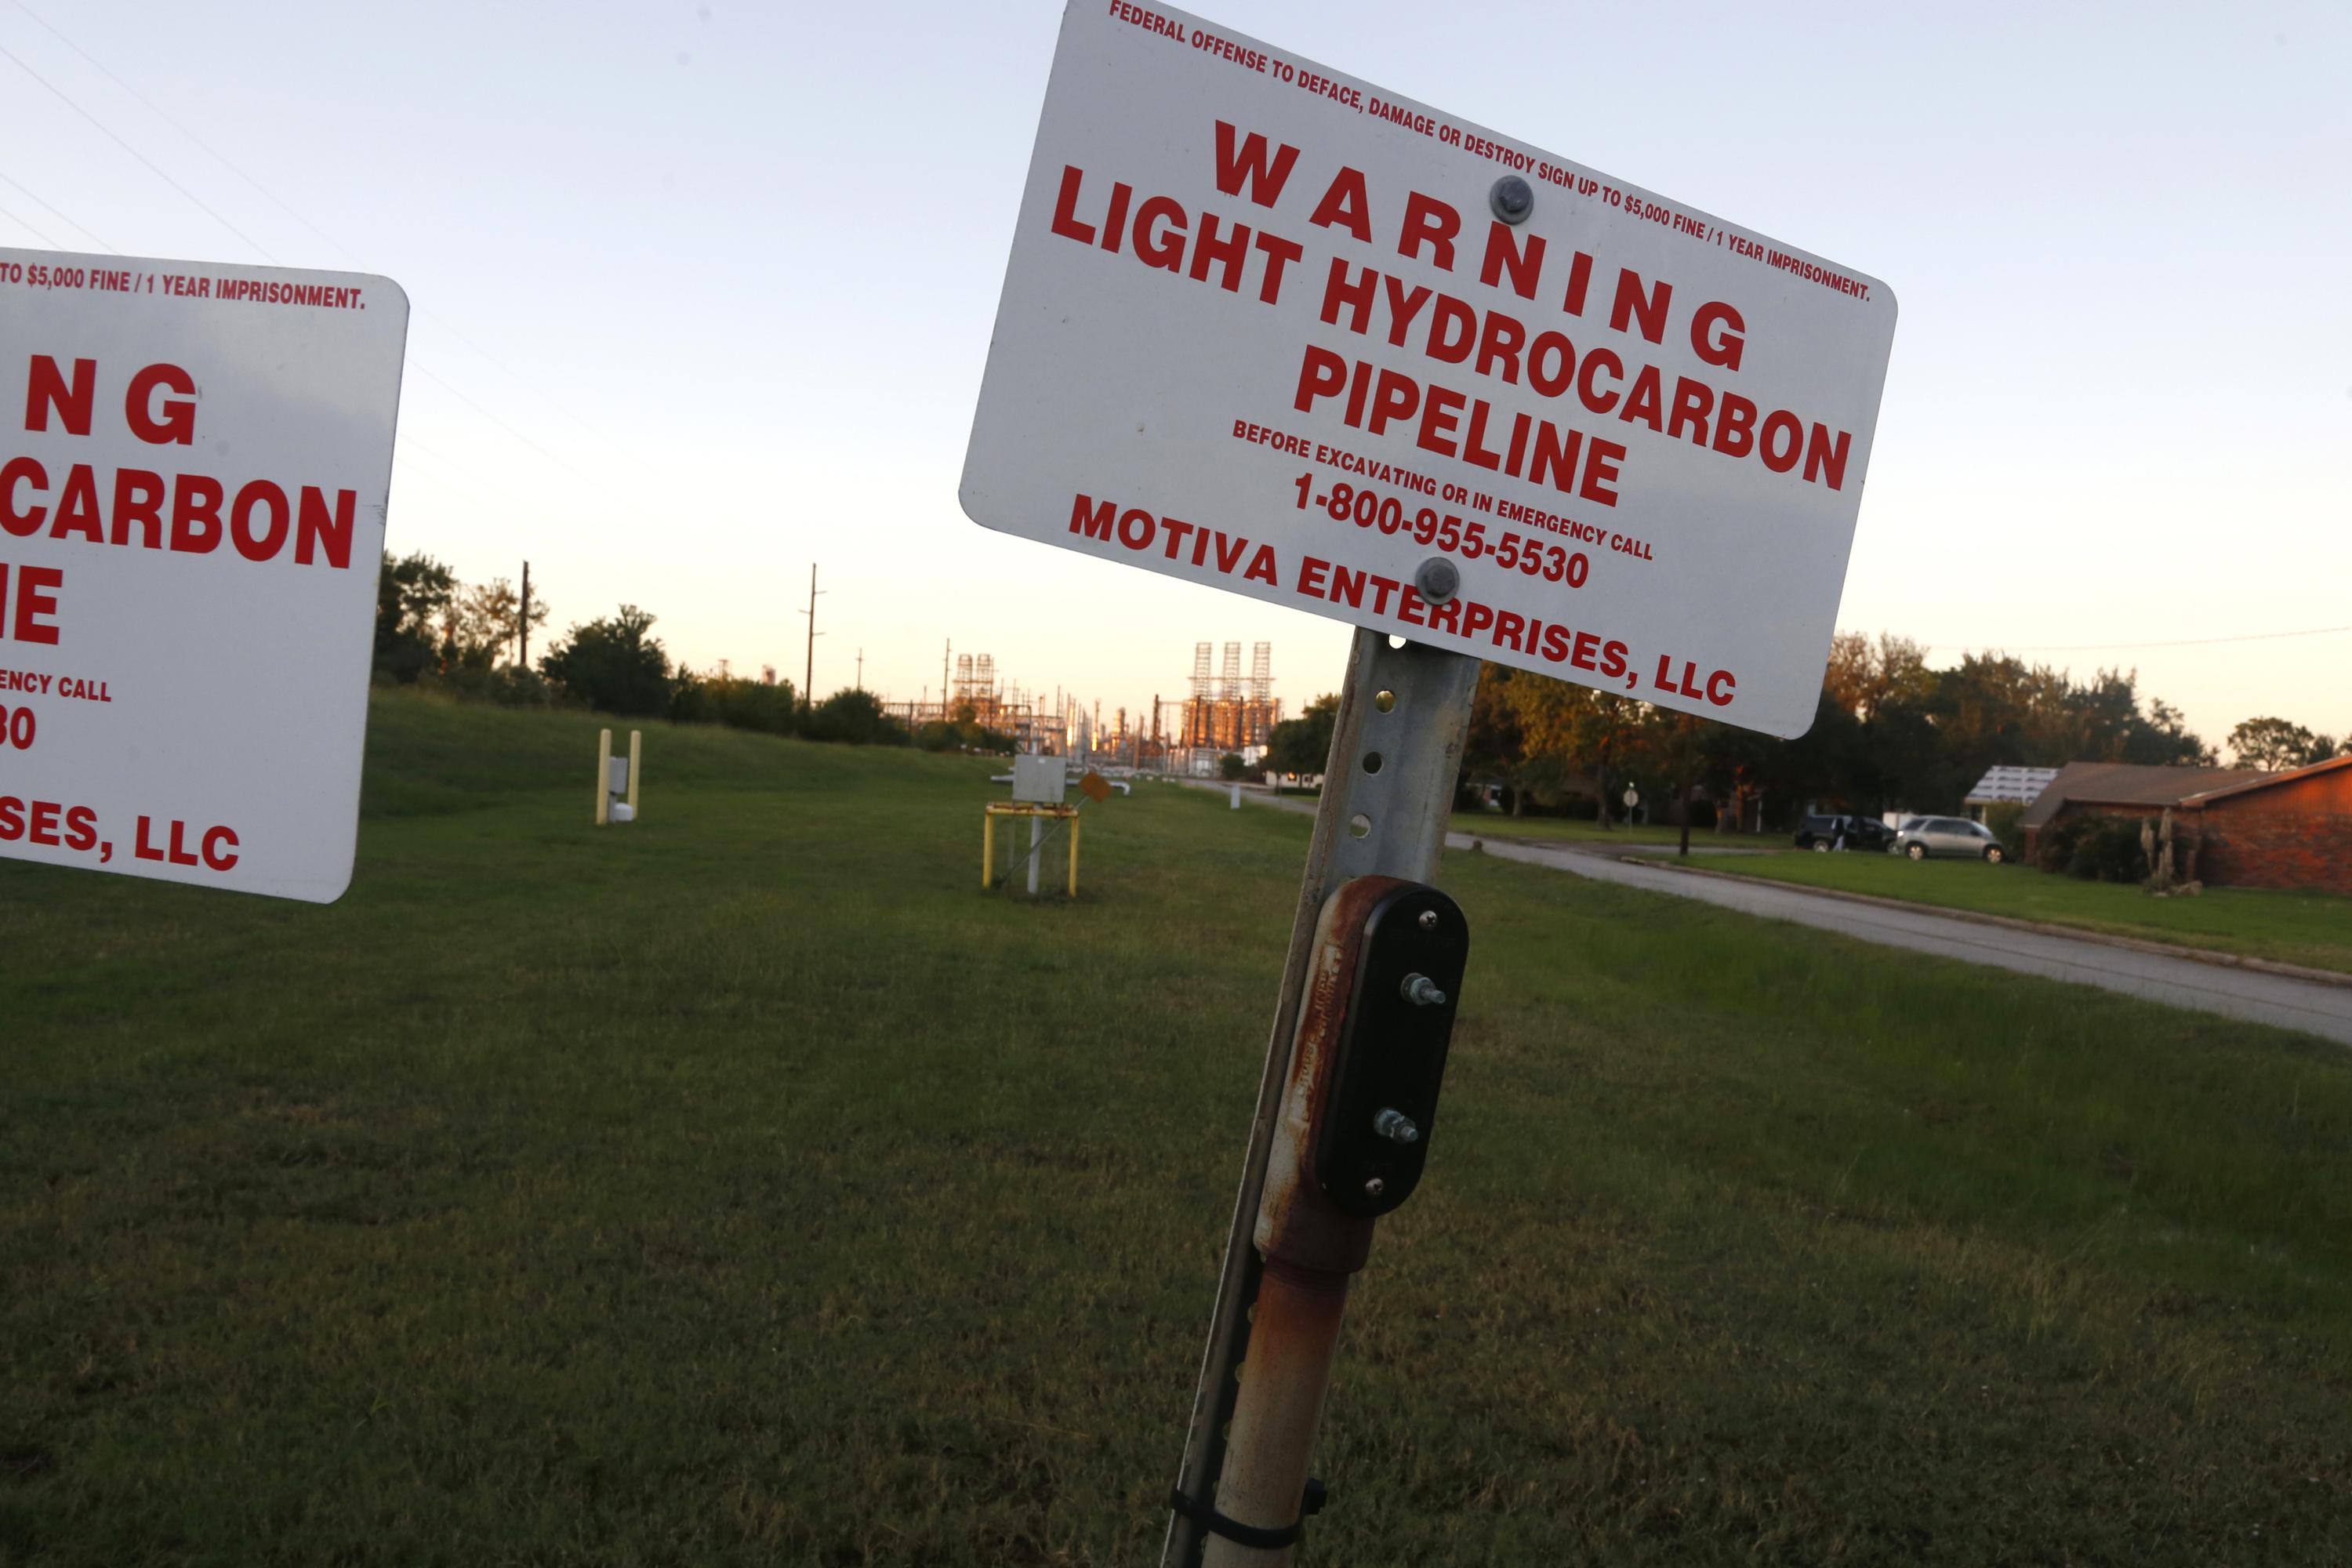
(195, 463)
(1276, 330)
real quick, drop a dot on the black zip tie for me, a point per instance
(1234, 1529)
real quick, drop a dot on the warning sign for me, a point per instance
(1278, 330)
(195, 463)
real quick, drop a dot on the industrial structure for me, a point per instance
(976, 695)
(1227, 713)
(1223, 713)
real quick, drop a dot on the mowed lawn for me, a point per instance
(745, 1185)
(2313, 930)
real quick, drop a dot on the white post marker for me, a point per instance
(1268, 328)
(617, 778)
(195, 461)
(604, 777)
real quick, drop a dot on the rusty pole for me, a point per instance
(1388, 790)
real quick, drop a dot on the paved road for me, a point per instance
(2312, 1007)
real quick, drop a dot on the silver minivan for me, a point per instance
(1929, 836)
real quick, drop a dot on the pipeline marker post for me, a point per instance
(1340, 351)
(617, 778)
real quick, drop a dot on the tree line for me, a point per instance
(432, 629)
(1889, 735)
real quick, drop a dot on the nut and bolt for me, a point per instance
(1421, 990)
(1512, 199)
(1396, 1127)
(1437, 579)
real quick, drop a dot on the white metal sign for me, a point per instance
(195, 462)
(1266, 327)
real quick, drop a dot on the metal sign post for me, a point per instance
(1388, 790)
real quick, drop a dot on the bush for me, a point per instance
(1231, 766)
(855, 717)
(766, 708)
(2108, 851)
(2003, 817)
(611, 666)
(2056, 845)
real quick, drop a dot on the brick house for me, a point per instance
(2241, 827)
(2290, 829)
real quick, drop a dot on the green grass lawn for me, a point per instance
(745, 1185)
(2310, 928)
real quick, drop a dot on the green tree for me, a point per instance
(1302, 745)
(1677, 742)
(613, 665)
(856, 717)
(2163, 737)
(1231, 766)
(483, 624)
(411, 594)
(2278, 743)
(1494, 750)
(1576, 727)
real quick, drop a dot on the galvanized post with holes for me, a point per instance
(1388, 789)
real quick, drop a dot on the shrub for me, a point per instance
(2108, 851)
(855, 717)
(613, 665)
(2002, 817)
(764, 707)
(2056, 845)
(1231, 766)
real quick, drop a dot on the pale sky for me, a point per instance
(703, 293)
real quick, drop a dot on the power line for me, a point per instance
(61, 212)
(278, 202)
(156, 168)
(99, 66)
(2126, 647)
(20, 223)
(502, 424)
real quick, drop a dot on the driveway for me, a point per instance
(2315, 1007)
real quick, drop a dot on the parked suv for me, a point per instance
(1949, 836)
(1822, 833)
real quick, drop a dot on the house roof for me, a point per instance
(2265, 781)
(2133, 784)
(2005, 783)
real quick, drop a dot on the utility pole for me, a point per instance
(525, 657)
(808, 669)
(947, 713)
(861, 670)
